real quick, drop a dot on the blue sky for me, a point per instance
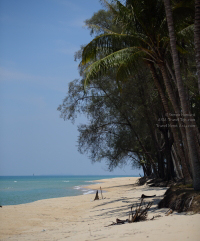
(38, 41)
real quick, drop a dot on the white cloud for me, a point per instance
(53, 83)
(10, 75)
(67, 51)
(76, 22)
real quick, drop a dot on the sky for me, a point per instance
(38, 40)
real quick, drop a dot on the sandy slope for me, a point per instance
(81, 218)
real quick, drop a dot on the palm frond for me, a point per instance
(100, 28)
(106, 44)
(129, 66)
(109, 6)
(187, 30)
(111, 61)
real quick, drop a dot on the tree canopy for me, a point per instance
(140, 110)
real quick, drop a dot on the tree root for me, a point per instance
(180, 205)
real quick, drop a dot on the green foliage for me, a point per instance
(101, 23)
(121, 101)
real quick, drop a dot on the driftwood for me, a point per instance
(156, 216)
(140, 214)
(101, 193)
(145, 196)
(97, 196)
(119, 221)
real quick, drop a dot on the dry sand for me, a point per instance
(80, 218)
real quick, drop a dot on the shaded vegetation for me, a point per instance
(138, 87)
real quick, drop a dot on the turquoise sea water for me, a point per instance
(25, 189)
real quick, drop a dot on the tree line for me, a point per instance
(139, 87)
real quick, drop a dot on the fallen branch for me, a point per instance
(140, 214)
(145, 196)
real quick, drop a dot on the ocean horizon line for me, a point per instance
(91, 175)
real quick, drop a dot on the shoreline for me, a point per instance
(82, 218)
(73, 187)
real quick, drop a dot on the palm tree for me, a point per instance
(163, 97)
(197, 38)
(143, 37)
(190, 133)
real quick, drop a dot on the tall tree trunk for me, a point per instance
(176, 162)
(181, 154)
(197, 38)
(148, 156)
(176, 108)
(193, 152)
(168, 149)
(147, 114)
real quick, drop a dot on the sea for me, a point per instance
(15, 190)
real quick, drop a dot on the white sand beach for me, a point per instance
(81, 218)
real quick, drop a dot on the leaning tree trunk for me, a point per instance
(197, 38)
(176, 108)
(181, 153)
(176, 162)
(190, 133)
